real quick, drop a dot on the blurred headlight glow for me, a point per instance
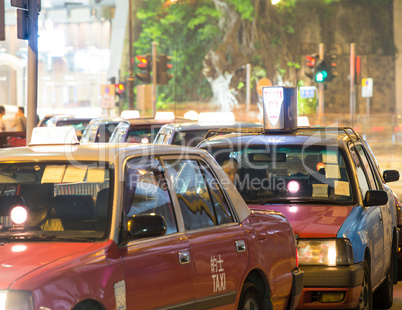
(21, 300)
(3, 297)
(19, 215)
(328, 252)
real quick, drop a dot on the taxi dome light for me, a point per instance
(279, 107)
(216, 117)
(191, 115)
(130, 114)
(54, 135)
(302, 121)
(19, 215)
(164, 115)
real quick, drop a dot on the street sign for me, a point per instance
(108, 96)
(367, 87)
(307, 92)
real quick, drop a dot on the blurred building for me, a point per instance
(73, 57)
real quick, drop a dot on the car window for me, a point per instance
(142, 134)
(159, 138)
(146, 192)
(288, 173)
(368, 167)
(192, 193)
(119, 134)
(189, 137)
(360, 172)
(222, 209)
(79, 125)
(61, 200)
(90, 133)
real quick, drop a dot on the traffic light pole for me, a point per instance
(352, 84)
(154, 70)
(321, 56)
(130, 79)
(32, 104)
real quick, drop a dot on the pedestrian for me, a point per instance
(20, 121)
(2, 122)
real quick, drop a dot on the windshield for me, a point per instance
(276, 174)
(98, 132)
(189, 137)
(49, 202)
(141, 133)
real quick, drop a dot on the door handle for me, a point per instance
(240, 246)
(184, 257)
(380, 215)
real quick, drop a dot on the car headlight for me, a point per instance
(328, 252)
(16, 300)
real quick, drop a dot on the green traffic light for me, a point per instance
(321, 76)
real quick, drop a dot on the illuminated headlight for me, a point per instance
(16, 300)
(328, 252)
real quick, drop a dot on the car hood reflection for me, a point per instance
(312, 221)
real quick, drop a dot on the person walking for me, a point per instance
(2, 122)
(20, 121)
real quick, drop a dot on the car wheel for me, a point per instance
(250, 298)
(399, 269)
(383, 297)
(366, 297)
(89, 305)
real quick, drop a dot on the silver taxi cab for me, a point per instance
(102, 226)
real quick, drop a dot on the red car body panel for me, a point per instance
(312, 221)
(14, 256)
(83, 270)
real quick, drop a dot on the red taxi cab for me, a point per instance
(102, 226)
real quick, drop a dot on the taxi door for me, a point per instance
(372, 230)
(158, 273)
(217, 242)
(386, 214)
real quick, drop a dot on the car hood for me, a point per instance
(319, 221)
(19, 259)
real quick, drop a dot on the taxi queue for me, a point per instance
(291, 218)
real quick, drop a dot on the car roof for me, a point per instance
(105, 120)
(67, 117)
(189, 125)
(146, 121)
(301, 136)
(87, 152)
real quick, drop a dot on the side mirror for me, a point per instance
(146, 225)
(390, 175)
(375, 198)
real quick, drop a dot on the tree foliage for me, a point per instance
(188, 29)
(184, 30)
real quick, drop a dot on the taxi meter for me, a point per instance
(280, 107)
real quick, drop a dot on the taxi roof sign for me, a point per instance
(54, 136)
(280, 108)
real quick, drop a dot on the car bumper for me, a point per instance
(297, 288)
(331, 287)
